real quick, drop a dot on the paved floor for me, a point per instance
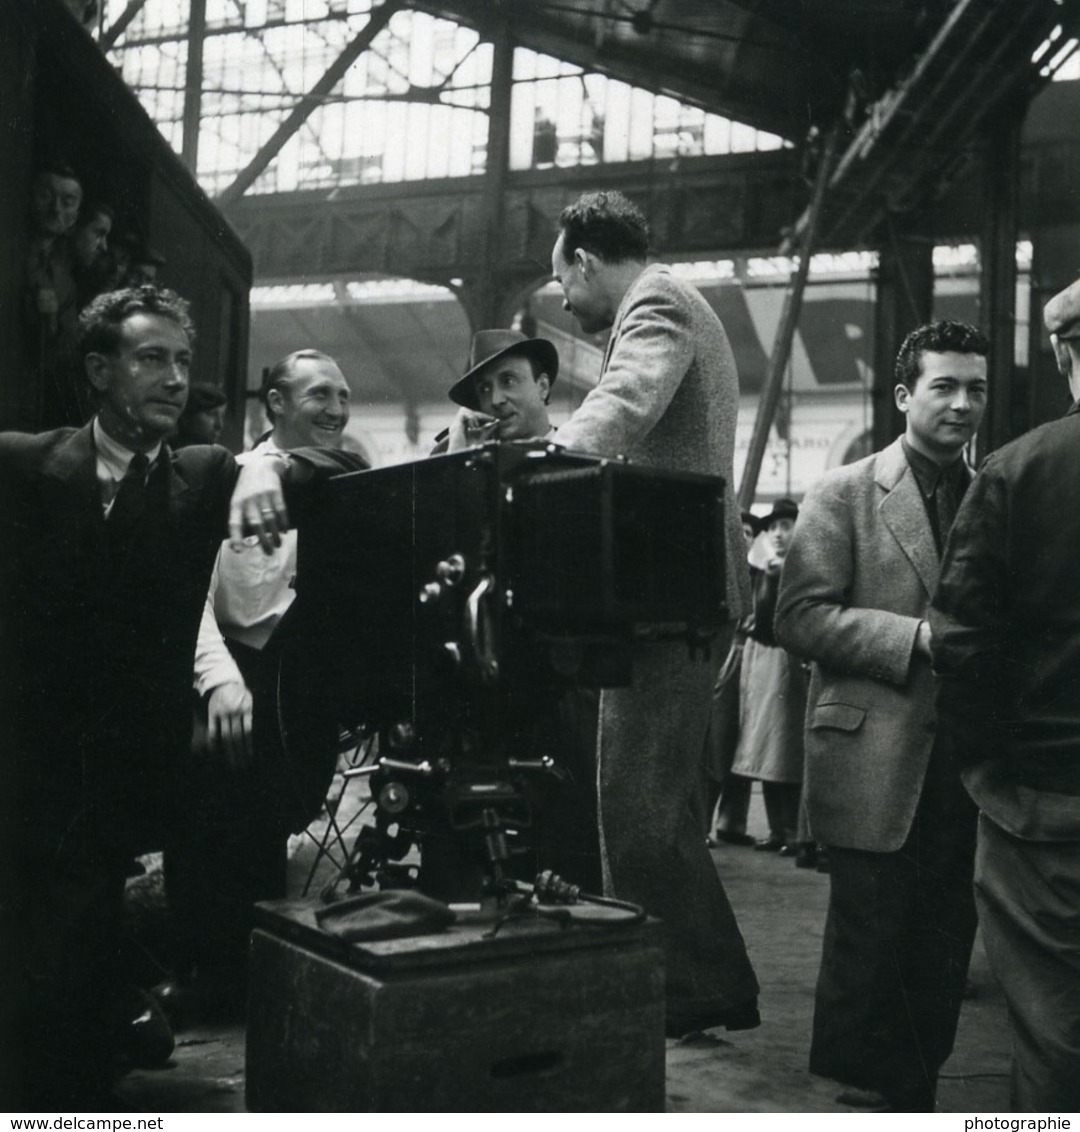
(781, 912)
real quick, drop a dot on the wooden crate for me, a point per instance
(538, 1019)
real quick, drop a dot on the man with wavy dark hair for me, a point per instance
(109, 538)
(668, 396)
(881, 790)
(941, 337)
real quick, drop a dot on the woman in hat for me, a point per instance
(772, 697)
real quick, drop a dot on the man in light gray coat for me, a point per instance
(881, 789)
(667, 396)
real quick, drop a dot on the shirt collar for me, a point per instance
(112, 456)
(267, 446)
(928, 473)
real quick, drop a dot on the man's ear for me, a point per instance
(581, 258)
(275, 401)
(1062, 356)
(544, 384)
(97, 370)
(903, 396)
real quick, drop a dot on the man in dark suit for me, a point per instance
(1007, 655)
(881, 790)
(109, 538)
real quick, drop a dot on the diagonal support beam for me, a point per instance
(337, 70)
(120, 24)
(785, 332)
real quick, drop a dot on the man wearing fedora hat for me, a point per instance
(1007, 654)
(504, 396)
(505, 391)
(881, 791)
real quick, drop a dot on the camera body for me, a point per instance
(446, 605)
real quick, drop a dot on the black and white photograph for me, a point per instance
(538, 560)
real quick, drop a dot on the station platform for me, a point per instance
(781, 911)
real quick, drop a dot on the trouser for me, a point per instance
(651, 821)
(734, 804)
(782, 809)
(1028, 895)
(721, 739)
(803, 833)
(230, 848)
(898, 937)
(564, 836)
(62, 983)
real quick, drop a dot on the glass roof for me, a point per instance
(412, 106)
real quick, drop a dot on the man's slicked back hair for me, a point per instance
(607, 224)
(941, 337)
(279, 374)
(102, 319)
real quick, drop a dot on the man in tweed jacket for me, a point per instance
(881, 789)
(667, 396)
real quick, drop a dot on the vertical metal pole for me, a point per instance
(785, 332)
(1005, 416)
(488, 300)
(904, 299)
(193, 82)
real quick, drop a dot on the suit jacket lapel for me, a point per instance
(903, 511)
(611, 341)
(74, 458)
(72, 467)
(178, 484)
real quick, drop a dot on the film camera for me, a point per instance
(444, 606)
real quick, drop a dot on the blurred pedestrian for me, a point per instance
(729, 794)
(772, 695)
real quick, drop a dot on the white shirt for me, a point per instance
(112, 463)
(249, 593)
